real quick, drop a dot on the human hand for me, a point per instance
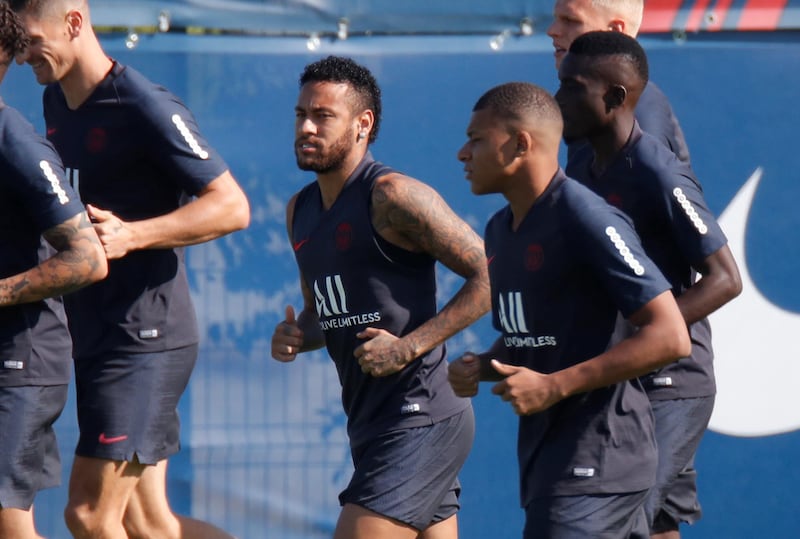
(115, 234)
(382, 353)
(464, 375)
(528, 391)
(287, 338)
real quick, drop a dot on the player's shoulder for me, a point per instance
(13, 123)
(653, 160)
(572, 195)
(585, 212)
(399, 188)
(22, 144)
(150, 99)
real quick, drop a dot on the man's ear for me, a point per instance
(615, 97)
(524, 143)
(365, 121)
(617, 25)
(74, 20)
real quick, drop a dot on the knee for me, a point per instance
(135, 528)
(82, 521)
(138, 527)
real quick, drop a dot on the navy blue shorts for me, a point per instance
(29, 460)
(411, 475)
(680, 425)
(595, 516)
(127, 404)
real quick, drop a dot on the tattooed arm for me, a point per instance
(80, 261)
(412, 215)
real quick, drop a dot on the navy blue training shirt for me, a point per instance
(654, 113)
(132, 148)
(558, 283)
(360, 280)
(35, 346)
(665, 201)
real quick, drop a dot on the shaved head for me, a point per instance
(616, 57)
(47, 8)
(527, 107)
(630, 11)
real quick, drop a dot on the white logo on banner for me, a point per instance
(755, 348)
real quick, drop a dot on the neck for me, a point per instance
(86, 74)
(527, 187)
(331, 183)
(607, 145)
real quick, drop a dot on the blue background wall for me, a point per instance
(264, 446)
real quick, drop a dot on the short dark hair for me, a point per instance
(517, 101)
(13, 37)
(345, 70)
(608, 43)
(35, 6)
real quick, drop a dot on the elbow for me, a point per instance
(483, 300)
(242, 218)
(98, 265)
(238, 214)
(683, 343)
(734, 286)
(679, 344)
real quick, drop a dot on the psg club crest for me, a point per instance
(344, 236)
(96, 140)
(534, 257)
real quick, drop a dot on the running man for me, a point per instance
(47, 248)
(366, 239)
(602, 78)
(152, 186)
(562, 265)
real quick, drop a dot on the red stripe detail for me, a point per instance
(761, 14)
(659, 15)
(696, 15)
(720, 12)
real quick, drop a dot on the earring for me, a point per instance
(362, 135)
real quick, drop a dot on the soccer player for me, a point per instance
(562, 265)
(47, 248)
(366, 239)
(572, 18)
(602, 78)
(152, 185)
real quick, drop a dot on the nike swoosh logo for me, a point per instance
(757, 370)
(51, 131)
(299, 244)
(112, 440)
(489, 260)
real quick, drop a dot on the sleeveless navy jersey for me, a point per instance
(665, 202)
(132, 148)
(360, 280)
(558, 283)
(35, 346)
(654, 113)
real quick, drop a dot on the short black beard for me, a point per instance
(335, 156)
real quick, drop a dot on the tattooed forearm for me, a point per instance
(412, 215)
(78, 262)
